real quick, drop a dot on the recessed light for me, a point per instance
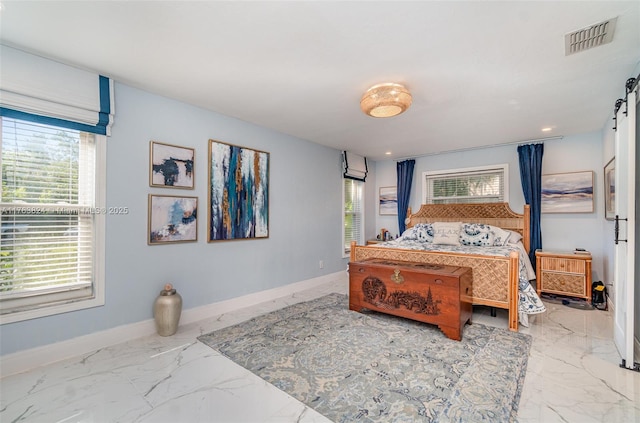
(388, 153)
(547, 129)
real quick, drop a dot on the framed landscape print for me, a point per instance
(171, 166)
(388, 201)
(567, 192)
(610, 190)
(172, 219)
(238, 192)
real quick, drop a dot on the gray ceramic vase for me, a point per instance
(166, 311)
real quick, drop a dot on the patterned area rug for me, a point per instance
(372, 367)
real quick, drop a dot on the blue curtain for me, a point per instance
(405, 177)
(530, 158)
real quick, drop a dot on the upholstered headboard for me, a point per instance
(495, 214)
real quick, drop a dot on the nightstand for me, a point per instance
(564, 273)
(373, 241)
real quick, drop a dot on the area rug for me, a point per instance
(371, 367)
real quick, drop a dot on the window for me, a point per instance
(52, 219)
(353, 200)
(471, 185)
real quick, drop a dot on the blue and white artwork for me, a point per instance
(171, 166)
(567, 192)
(238, 192)
(388, 200)
(172, 219)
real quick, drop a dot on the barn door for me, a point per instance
(624, 263)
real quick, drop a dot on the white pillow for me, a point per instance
(446, 233)
(410, 234)
(514, 237)
(500, 236)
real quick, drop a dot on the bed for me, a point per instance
(501, 273)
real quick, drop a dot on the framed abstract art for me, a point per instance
(238, 192)
(570, 192)
(172, 219)
(171, 166)
(388, 201)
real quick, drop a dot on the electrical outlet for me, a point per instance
(321, 264)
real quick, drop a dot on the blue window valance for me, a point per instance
(41, 90)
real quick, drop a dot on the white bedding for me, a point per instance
(531, 274)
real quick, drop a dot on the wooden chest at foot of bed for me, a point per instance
(429, 293)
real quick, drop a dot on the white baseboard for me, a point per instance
(200, 313)
(25, 360)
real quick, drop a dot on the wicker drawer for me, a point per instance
(563, 283)
(564, 274)
(563, 265)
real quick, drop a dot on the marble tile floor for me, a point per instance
(573, 375)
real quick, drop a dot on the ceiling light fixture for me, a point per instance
(385, 100)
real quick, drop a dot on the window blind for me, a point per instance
(355, 167)
(37, 89)
(473, 186)
(353, 213)
(47, 203)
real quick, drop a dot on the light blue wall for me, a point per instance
(386, 174)
(566, 231)
(559, 231)
(304, 225)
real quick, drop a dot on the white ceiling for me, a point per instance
(480, 72)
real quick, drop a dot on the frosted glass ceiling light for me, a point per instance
(385, 100)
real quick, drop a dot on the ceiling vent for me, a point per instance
(590, 37)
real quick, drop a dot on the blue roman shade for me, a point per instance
(355, 167)
(44, 91)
